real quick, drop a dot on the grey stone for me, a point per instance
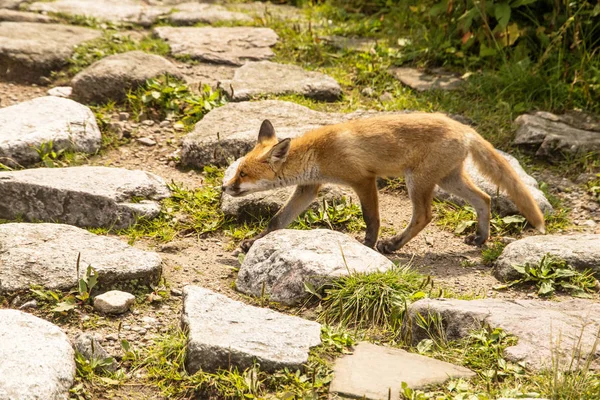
(229, 132)
(582, 251)
(21, 16)
(266, 204)
(29, 304)
(46, 254)
(114, 302)
(351, 43)
(545, 329)
(113, 77)
(269, 11)
(283, 262)
(553, 134)
(233, 46)
(27, 126)
(37, 358)
(193, 13)
(88, 345)
(421, 81)
(82, 196)
(146, 141)
(31, 51)
(11, 4)
(372, 371)
(116, 11)
(224, 333)
(60, 91)
(265, 77)
(501, 203)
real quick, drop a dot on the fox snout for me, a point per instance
(233, 189)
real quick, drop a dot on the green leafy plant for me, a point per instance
(48, 154)
(492, 252)
(593, 188)
(334, 214)
(553, 273)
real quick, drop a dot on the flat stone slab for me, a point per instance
(281, 263)
(116, 11)
(11, 4)
(31, 51)
(27, 126)
(113, 77)
(232, 46)
(545, 329)
(371, 371)
(421, 81)
(229, 132)
(555, 134)
(582, 251)
(20, 16)
(38, 361)
(265, 77)
(224, 333)
(267, 9)
(351, 43)
(81, 196)
(46, 254)
(501, 203)
(193, 13)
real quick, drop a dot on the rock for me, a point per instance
(114, 302)
(46, 255)
(20, 16)
(11, 4)
(437, 79)
(545, 329)
(224, 333)
(113, 77)
(553, 134)
(82, 196)
(193, 13)
(32, 125)
(29, 304)
(268, 10)
(283, 262)
(354, 44)
(265, 77)
(266, 204)
(229, 132)
(60, 91)
(89, 347)
(371, 371)
(31, 51)
(582, 251)
(232, 46)
(146, 141)
(37, 358)
(501, 203)
(116, 11)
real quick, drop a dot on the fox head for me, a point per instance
(258, 170)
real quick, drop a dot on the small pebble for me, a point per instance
(146, 141)
(29, 304)
(123, 116)
(176, 292)
(148, 122)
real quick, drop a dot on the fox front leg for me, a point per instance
(298, 202)
(369, 203)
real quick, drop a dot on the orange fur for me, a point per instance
(427, 149)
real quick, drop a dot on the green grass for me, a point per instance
(492, 252)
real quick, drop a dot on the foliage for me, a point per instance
(593, 188)
(169, 97)
(553, 273)
(492, 252)
(337, 214)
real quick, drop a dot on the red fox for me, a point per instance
(428, 149)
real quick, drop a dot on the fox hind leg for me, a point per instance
(459, 184)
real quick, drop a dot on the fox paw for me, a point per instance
(385, 247)
(476, 240)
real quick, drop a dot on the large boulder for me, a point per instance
(282, 263)
(113, 77)
(501, 203)
(549, 333)
(582, 251)
(31, 51)
(38, 361)
(82, 196)
(372, 372)
(225, 333)
(193, 13)
(29, 128)
(233, 46)
(264, 77)
(46, 254)
(116, 11)
(555, 134)
(229, 132)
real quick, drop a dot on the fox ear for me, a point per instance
(279, 152)
(266, 132)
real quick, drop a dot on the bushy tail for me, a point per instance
(495, 167)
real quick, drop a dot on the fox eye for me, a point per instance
(242, 174)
